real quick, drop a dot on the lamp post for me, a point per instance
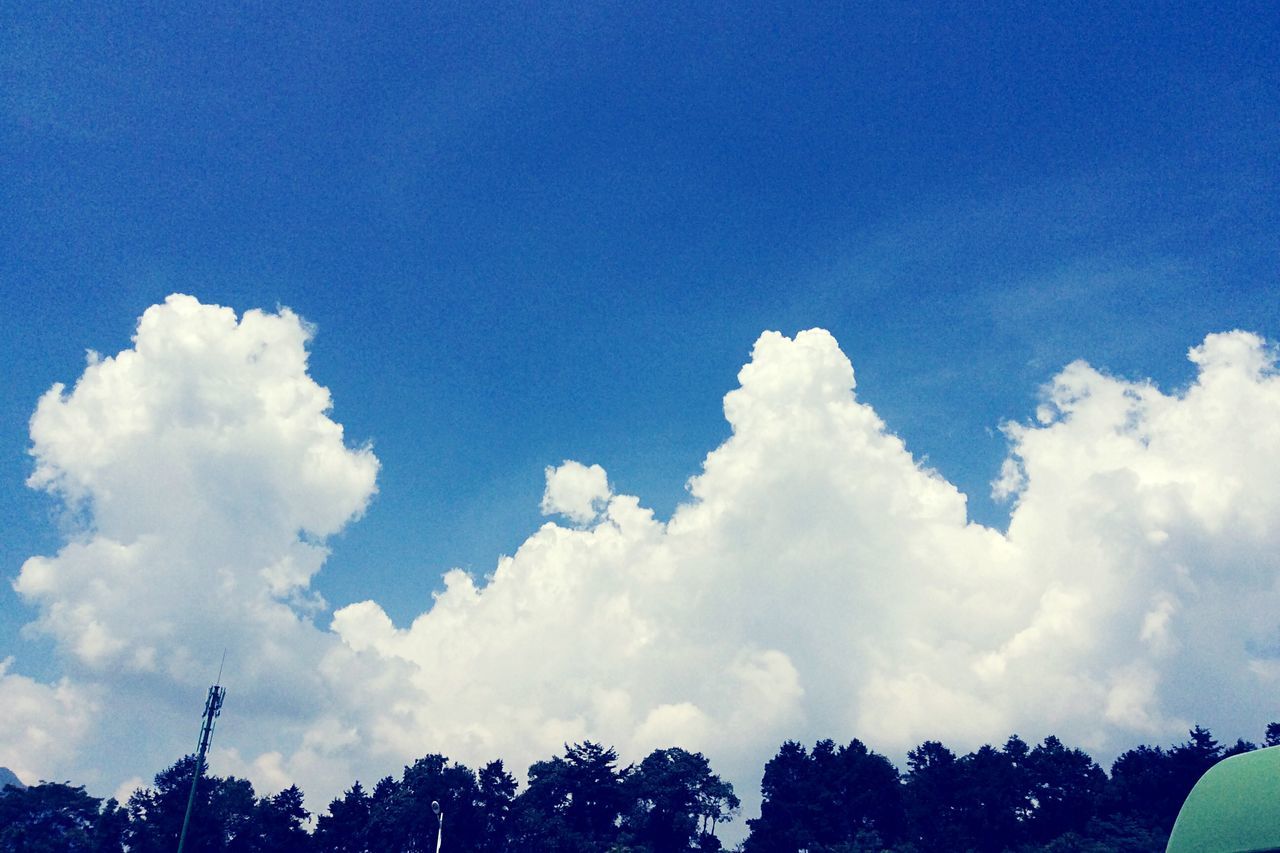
(435, 807)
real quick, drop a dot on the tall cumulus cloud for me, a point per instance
(201, 474)
(819, 581)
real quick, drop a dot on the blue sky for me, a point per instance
(527, 233)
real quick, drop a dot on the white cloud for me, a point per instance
(208, 474)
(575, 491)
(819, 582)
(126, 789)
(42, 726)
(211, 471)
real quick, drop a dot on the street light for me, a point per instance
(435, 807)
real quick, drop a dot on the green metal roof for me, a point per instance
(1234, 808)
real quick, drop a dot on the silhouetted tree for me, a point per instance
(1149, 784)
(224, 819)
(382, 833)
(497, 792)
(676, 802)
(934, 799)
(1109, 835)
(1141, 786)
(991, 800)
(345, 828)
(233, 806)
(1065, 786)
(1240, 747)
(278, 824)
(109, 833)
(860, 794)
(572, 803)
(786, 801)
(830, 799)
(50, 817)
(401, 818)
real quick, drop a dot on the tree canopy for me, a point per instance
(830, 798)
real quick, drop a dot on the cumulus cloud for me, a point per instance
(819, 581)
(822, 582)
(42, 726)
(575, 491)
(205, 473)
(1149, 521)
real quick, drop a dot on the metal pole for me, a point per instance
(435, 807)
(212, 707)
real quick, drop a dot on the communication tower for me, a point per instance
(212, 707)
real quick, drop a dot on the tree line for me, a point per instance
(829, 798)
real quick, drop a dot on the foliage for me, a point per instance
(675, 802)
(828, 800)
(1064, 787)
(573, 802)
(345, 829)
(831, 799)
(56, 818)
(1017, 798)
(227, 816)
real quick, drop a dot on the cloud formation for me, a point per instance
(42, 725)
(575, 491)
(202, 473)
(819, 581)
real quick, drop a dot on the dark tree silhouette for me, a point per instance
(228, 817)
(572, 803)
(1149, 784)
(676, 802)
(345, 828)
(401, 818)
(860, 795)
(835, 798)
(1143, 787)
(497, 796)
(787, 797)
(113, 823)
(278, 824)
(56, 817)
(935, 799)
(155, 813)
(992, 800)
(1065, 786)
(1240, 747)
(848, 799)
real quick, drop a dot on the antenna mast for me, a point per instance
(212, 708)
